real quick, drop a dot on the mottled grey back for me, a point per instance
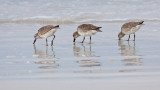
(87, 27)
(45, 29)
(129, 25)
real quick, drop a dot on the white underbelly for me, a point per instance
(133, 30)
(48, 34)
(88, 33)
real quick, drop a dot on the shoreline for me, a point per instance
(67, 21)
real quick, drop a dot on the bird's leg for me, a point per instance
(134, 36)
(83, 39)
(46, 42)
(52, 40)
(128, 38)
(90, 39)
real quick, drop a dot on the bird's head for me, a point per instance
(57, 27)
(36, 36)
(120, 35)
(75, 35)
(141, 23)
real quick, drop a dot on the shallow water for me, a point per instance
(130, 65)
(106, 63)
(104, 56)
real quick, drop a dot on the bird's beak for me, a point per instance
(74, 40)
(34, 41)
(57, 27)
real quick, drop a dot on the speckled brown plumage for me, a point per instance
(86, 27)
(45, 29)
(128, 26)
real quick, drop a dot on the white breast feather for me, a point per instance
(134, 29)
(49, 33)
(88, 33)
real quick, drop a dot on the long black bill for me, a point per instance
(98, 30)
(74, 40)
(57, 26)
(98, 27)
(141, 23)
(34, 41)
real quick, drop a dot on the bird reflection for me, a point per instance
(132, 61)
(83, 50)
(44, 53)
(89, 66)
(47, 64)
(129, 50)
(88, 63)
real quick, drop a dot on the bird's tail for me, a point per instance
(57, 26)
(141, 22)
(98, 30)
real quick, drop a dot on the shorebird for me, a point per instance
(45, 32)
(130, 28)
(86, 30)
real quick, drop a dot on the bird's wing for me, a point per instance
(87, 27)
(45, 29)
(129, 26)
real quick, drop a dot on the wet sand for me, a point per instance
(105, 64)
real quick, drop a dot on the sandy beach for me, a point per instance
(106, 63)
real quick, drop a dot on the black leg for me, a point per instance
(83, 39)
(128, 38)
(90, 39)
(46, 42)
(52, 40)
(134, 37)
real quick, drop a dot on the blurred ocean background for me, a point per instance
(78, 11)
